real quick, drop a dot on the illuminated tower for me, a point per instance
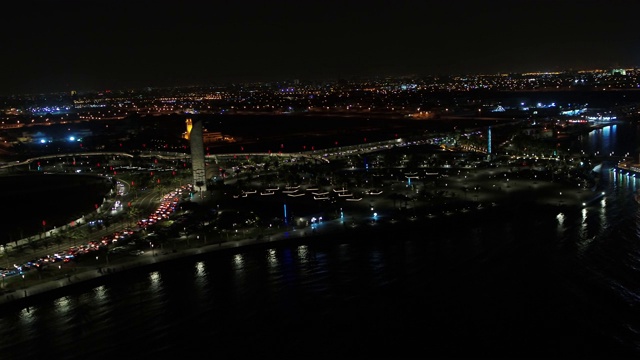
(189, 127)
(194, 134)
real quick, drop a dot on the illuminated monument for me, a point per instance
(189, 127)
(194, 135)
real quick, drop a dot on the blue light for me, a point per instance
(285, 214)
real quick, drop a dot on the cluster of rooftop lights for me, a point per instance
(70, 139)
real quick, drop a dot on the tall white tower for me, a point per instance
(197, 155)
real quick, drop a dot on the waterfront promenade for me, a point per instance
(489, 193)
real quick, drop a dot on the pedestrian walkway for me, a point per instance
(86, 273)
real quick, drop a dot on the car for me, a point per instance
(117, 249)
(136, 252)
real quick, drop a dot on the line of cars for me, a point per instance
(126, 240)
(167, 206)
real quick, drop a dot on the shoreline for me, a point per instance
(332, 231)
(88, 276)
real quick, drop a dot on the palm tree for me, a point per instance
(34, 245)
(6, 255)
(160, 187)
(20, 249)
(77, 232)
(133, 213)
(175, 181)
(57, 239)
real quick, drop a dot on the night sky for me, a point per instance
(62, 45)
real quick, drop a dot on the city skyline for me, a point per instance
(64, 45)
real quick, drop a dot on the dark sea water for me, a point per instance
(56, 199)
(520, 282)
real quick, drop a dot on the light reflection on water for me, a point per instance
(156, 281)
(460, 280)
(261, 291)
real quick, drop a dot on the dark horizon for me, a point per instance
(63, 45)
